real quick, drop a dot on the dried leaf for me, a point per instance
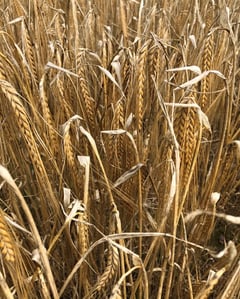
(194, 68)
(127, 175)
(114, 132)
(66, 197)
(199, 78)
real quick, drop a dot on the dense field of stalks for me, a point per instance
(120, 149)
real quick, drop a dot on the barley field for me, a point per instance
(120, 149)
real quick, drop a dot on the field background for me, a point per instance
(119, 149)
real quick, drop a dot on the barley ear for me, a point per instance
(27, 134)
(206, 66)
(141, 85)
(104, 284)
(48, 117)
(69, 151)
(6, 240)
(88, 100)
(186, 127)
